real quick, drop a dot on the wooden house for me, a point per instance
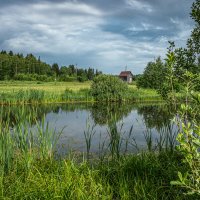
(126, 76)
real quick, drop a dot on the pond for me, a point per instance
(140, 126)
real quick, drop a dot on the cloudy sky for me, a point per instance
(104, 34)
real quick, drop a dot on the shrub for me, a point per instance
(67, 78)
(82, 78)
(30, 77)
(108, 88)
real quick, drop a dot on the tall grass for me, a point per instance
(116, 140)
(36, 95)
(88, 134)
(25, 143)
(6, 148)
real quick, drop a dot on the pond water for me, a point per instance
(140, 125)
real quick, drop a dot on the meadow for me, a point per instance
(56, 87)
(14, 92)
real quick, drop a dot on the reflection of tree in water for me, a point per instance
(156, 116)
(103, 113)
(18, 113)
(21, 113)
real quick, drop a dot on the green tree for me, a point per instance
(108, 88)
(90, 74)
(153, 75)
(187, 59)
(195, 36)
(55, 69)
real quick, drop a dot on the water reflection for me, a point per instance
(102, 114)
(138, 117)
(156, 116)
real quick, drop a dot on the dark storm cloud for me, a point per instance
(106, 33)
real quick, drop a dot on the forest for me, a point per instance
(29, 68)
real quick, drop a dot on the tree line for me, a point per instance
(20, 67)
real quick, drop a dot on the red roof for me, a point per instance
(126, 73)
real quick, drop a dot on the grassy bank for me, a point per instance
(52, 87)
(14, 92)
(30, 169)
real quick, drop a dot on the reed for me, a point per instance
(148, 139)
(115, 138)
(6, 148)
(46, 139)
(88, 134)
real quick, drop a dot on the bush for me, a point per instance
(67, 78)
(108, 88)
(30, 77)
(82, 78)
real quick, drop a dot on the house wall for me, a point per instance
(124, 78)
(129, 79)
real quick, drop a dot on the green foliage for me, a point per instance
(18, 67)
(195, 36)
(108, 88)
(30, 77)
(189, 137)
(153, 76)
(55, 69)
(189, 145)
(187, 59)
(82, 78)
(168, 88)
(67, 78)
(12, 65)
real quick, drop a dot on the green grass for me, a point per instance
(23, 92)
(142, 95)
(144, 176)
(52, 87)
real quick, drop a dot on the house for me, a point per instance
(126, 76)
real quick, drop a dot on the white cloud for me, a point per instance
(144, 27)
(139, 5)
(67, 7)
(38, 30)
